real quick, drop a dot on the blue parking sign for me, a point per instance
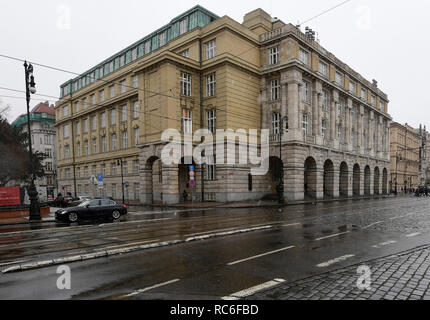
(100, 177)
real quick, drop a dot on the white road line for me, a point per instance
(250, 291)
(337, 260)
(373, 224)
(332, 236)
(413, 234)
(135, 293)
(383, 244)
(260, 255)
(291, 225)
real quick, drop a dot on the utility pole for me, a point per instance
(30, 88)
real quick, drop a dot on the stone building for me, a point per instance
(205, 71)
(42, 121)
(406, 146)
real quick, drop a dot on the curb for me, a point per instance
(108, 253)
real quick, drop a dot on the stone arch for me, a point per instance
(385, 181)
(356, 177)
(343, 180)
(367, 174)
(310, 178)
(328, 184)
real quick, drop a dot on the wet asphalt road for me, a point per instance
(300, 241)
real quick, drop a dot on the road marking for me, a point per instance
(250, 291)
(383, 244)
(332, 236)
(337, 260)
(135, 293)
(291, 225)
(413, 234)
(129, 244)
(260, 255)
(373, 224)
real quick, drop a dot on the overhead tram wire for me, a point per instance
(324, 12)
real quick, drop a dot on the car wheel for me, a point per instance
(116, 215)
(73, 217)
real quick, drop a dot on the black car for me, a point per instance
(92, 209)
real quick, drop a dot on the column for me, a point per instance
(333, 115)
(348, 123)
(170, 185)
(263, 96)
(336, 181)
(294, 80)
(360, 113)
(145, 187)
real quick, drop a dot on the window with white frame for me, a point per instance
(123, 84)
(113, 169)
(305, 124)
(113, 117)
(183, 26)
(210, 85)
(103, 170)
(323, 69)
(94, 123)
(304, 56)
(373, 101)
(66, 133)
(84, 104)
(112, 91)
(102, 95)
(136, 110)
(339, 78)
(86, 125)
(340, 106)
(135, 166)
(306, 92)
(211, 120)
(352, 87)
(103, 120)
(95, 149)
(134, 54)
(162, 39)
(382, 106)
(187, 121)
(210, 49)
(104, 144)
(274, 55)
(275, 89)
(147, 46)
(340, 133)
(324, 128)
(122, 60)
(276, 123)
(211, 172)
(76, 106)
(325, 100)
(125, 139)
(123, 113)
(66, 152)
(114, 142)
(185, 53)
(86, 172)
(185, 84)
(135, 81)
(136, 136)
(66, 111)
(78, 149)
(86, 148)
(93, 100)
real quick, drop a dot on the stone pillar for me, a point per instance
(293, 79)
(372, 182)
(348, 122)
(350, 182)
(333, 115)
(284, 97)
(315, 114)
(360, 114)
(145, 186)
(170, 184)
(319, 184)
(371, 131)
(336, 189)
(263, 96)
(362, 182)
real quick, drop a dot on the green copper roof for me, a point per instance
(185, 22)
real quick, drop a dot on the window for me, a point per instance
(276, 123)
(78, 172)
(352, 87)
(94, 170)
(304, 56)
(162, 39)
(112, 91)
(382, 106)
(353, 138)
(66, 131)
(275, 90)
(274, 55)
(66, 111)
(102, 95)
(210, 85)
(125, 167)
(136, 110)
(323, 69)
(86, 151)
(104, 146)
(124, 139)
(185, 53)
(211, 120)
(324, 128)
(78, 128)
(340, 108)
(48, 153)
(84, 104)
(136, 136)
(338, 78)
(135, 81)
(373, 101)
(121, 61)
(136, 188)
(78, 148)
(123, 113)
(135, 166)
(114, 142)
(353, 116)
(113, 117)
(103, 120)
(93, 100)
(114, 190)
(339, 133)
(94, 123)
(305, 124)
(67, 172)
(76, 106)
(187, 121)
(113, 169)
(211, 172)
(49, 166)
(86, 125)
(95, 150)
(66, 152)
(134, 54)
(363, 94)
(147, 46)
(210, 49)
(123, 84)
(325, 99)
(103, 170)
(183, 26)
(306, 92)
(185, 84)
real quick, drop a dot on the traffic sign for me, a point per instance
(192, 168)
(126, 184)
(100, 177)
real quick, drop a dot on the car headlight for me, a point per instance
(63, 212)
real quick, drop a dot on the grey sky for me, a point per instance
(381, 39)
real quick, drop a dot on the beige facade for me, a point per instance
(226, 75)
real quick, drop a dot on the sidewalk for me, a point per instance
(402, 276)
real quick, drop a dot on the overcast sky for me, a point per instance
(384, 40)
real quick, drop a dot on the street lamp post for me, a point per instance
(30, 88)
(280, 189)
